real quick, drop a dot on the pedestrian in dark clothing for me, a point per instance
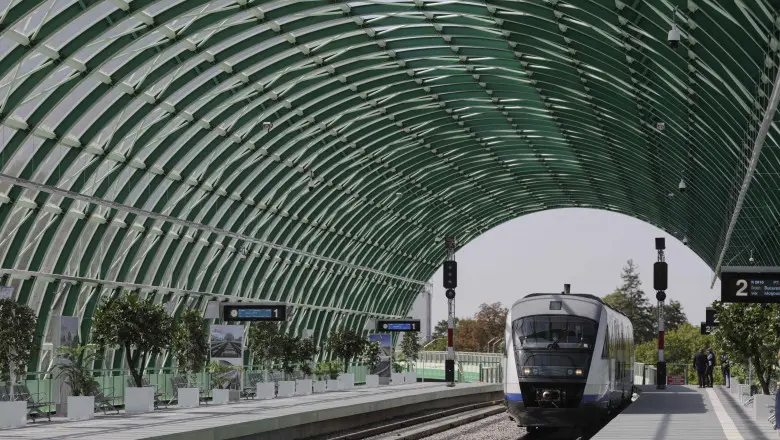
(700, 365)
(725, 368)
(710, 367)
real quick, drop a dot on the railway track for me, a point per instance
(485, 421)
(423, 425)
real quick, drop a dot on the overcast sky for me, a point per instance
(586, 248)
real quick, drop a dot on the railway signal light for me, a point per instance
(660, 275)
(450, 294)
(450, 274)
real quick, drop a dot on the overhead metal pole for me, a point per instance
(429, 306)
(769, 116)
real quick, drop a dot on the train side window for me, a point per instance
(605, 351)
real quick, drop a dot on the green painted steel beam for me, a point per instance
(392, 124)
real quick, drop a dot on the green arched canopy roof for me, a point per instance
(316, 152)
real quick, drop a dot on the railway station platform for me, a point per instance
(687, 412)
(280, 418)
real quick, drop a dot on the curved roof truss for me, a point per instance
(317, 152)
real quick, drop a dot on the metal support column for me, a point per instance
(449, 363)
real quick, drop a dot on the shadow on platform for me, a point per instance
(739, 409)
(673, 400)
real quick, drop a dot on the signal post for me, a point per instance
(450, 283)
(660, 281)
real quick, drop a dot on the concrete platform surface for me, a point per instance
(214, 422)
(684, 412)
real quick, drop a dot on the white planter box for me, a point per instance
(396, 378)
(81, 407)
(410, 377)
(265, 390)
(13, 415)
(303, 387)
(348, 380)
(319, 386)
(334, 385)
(372, 381)
(220, 396)
(189, 397)
(286, 388)
(139, 400)
(761, 405)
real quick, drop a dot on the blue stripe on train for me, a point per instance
(588, 398)
(591, 398)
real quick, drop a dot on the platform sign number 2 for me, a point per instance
(742, 286)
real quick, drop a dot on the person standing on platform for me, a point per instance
(725, 368)
(710, 368)
(700, 365)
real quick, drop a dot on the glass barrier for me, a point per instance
(113, 382)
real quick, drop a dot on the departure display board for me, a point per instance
(398, 326)
(750, 285)
(254, 312)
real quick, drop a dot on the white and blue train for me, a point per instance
(569, 361)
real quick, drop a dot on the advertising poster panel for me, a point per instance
(384, 368)
(69, 331)
(227, 347)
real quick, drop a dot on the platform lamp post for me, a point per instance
(450, 283)
(660, 278)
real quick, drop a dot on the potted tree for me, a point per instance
(397, 376)
(410, 348)
(371, 358)
(307, 349)
(191, 350)
(143, 329)
(263, 340)
(222, 374)
(75, 368)
(287, 350)
(346, 344)
(321, 372)
(333, 382)
(17, 333)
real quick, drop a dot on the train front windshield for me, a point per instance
(553, 345)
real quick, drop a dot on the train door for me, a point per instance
(612, 353)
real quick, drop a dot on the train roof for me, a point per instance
(579, 295)
(582, 295)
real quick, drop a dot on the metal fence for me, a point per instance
(470, 367)
(489, 367)
(114, 382)
(644, 374)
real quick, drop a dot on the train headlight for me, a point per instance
(526, 371)
(578, 372)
